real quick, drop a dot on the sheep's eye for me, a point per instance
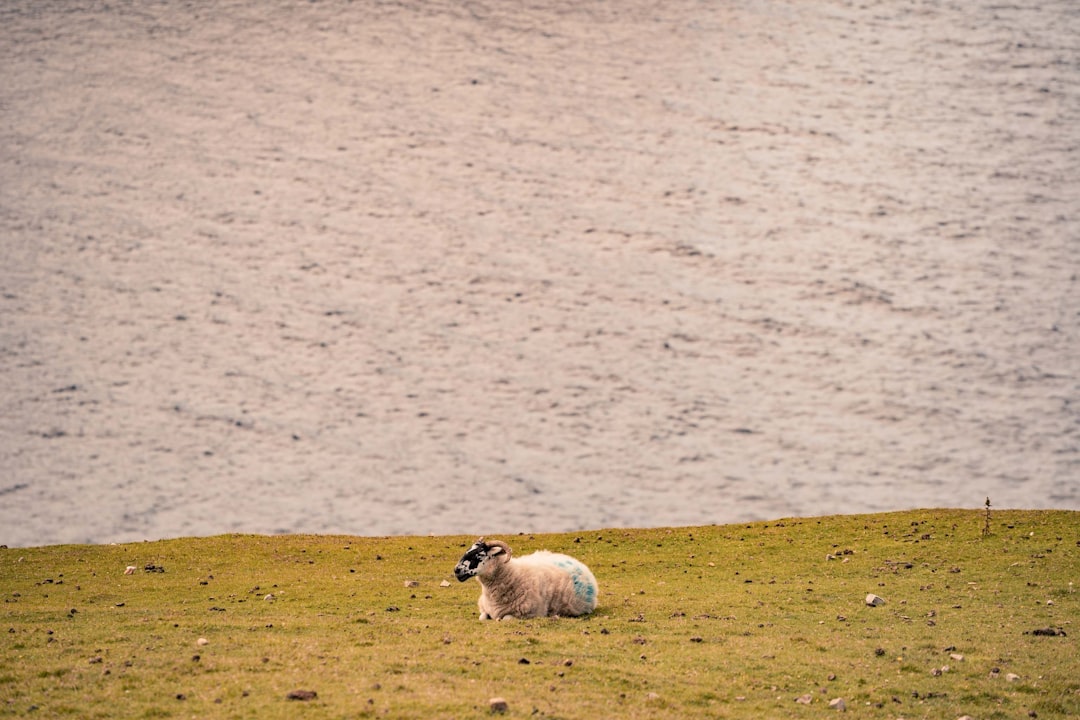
(475, 556)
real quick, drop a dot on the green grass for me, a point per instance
(717, 622)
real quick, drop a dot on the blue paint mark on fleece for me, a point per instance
(583, 587)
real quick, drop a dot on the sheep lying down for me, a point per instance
(537, 585)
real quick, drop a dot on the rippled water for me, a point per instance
(439, 267)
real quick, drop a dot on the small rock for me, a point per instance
(805, 699)
(444, 583)
(874, 601)
(202, 641)
(302, 695)
(936, 672)
(838, 704)
(270, 597)
(1012, 677)
(130, 570)
(957, 657)
(498, 705)
(652, 697)
(412, 583)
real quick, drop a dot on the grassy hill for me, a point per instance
(749, 621)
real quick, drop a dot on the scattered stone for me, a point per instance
(838, 704)
(96, 660)
(936, 672)
(130, 570)
(151, 567)
(874, 601)
(1047, 632)
(498, 705)
(270, 597)
(302, 695)
(202, 641)
(524, 661)
(697, 639)
(444, 583)
(957, 657)
(412, 583)
(651, 697)
(1012, 677)
(805, 699)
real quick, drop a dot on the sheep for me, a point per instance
(537, 585)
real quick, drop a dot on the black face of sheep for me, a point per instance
(473, 559)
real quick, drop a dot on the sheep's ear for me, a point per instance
(494, 550)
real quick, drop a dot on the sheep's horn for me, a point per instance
(501, 545)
